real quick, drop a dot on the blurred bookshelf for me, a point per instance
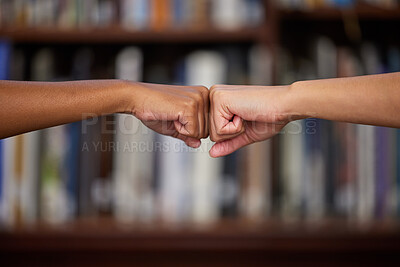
(118, 34)
(361, 11)
(265, 216)
(231, 243)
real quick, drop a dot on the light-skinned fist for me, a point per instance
(242, 115)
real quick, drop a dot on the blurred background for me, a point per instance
(111, 185)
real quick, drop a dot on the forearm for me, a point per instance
(373, 99)
(27, 106)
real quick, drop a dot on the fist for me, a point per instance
(242, 115)
(177, 111)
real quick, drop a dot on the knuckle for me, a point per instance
(198, 96)
(190, 131)
(219, 131)
(204, 90)
(216, 93)
(214, 87)
(191, 104)
(205, 95)
(215, 137)
(217, 87)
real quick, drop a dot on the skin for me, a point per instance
(239, 115)
(178, 111)
(242, 115)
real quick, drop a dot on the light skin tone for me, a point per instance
(233, 116)
(241, 115)
(178, 111)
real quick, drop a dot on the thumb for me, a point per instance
(229, 146)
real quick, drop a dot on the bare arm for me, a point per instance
(372, 99)
(241, 115)
(28, 106)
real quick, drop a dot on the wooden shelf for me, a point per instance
(120, 35)
(360, 11)
(228, 244)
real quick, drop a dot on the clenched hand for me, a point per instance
(177, 111)
(241, 115)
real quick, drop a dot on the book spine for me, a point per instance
(1, 180)
(5, 50)
(54, 204)
(207, 68)
(73, 166)
(8, 183)
(382, 171)
(397, 184)
(230, 187)
(292, 162)
(365, 173)
(29, 191)
(160, 14)
(175, 181)
(314, 184)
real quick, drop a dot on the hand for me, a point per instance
(177, 111)
(242, 115)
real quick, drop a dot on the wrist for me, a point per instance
(126, 96)
(296, 101)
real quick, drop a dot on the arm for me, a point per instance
(241, 115)
(28, 106)
(373, 99)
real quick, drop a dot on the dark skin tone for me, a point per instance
(178, 111)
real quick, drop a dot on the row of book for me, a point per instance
(86, 169)
(114, 166)
(310, 4)
(132, 14)
(349, 170)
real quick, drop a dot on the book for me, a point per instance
(135, 14)
(8, 184)
(345, 176)
(383, 141)
(207, 68)
(132, 14)
(176, 181)
(30, 179)
(1, 181)
(318, 133)
(160, 14)
(255, 175)
(52, 198)
(228, 14)
(133, 160)
(365, 173)
(5, 50)
(81, 70)
(231, 180)
(292, 161)
(255, 14)
(393, 58)
(21, 178)
(180, 9)
(256, 191)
